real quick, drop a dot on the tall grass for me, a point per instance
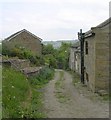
(15, 90)
(21, 97)
(37, 83)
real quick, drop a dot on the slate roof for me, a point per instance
(106, 22)
(17, 33)
(91, 33)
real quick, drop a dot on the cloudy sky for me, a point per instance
(51, 19)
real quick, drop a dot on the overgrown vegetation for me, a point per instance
(57, 58)
(44, 76)
(21, 96)
(15, 90)
(22, 53)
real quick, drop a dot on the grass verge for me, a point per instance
(21, 97)
(14, 91)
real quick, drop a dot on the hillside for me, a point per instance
(57, 44)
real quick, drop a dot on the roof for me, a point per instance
(104, 23)
(91, 33)
(19, 32)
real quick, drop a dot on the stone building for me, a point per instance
(96, 57)
(75, 59)
(24, 39)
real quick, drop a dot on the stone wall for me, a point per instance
(22, 65)
(78, 62)
(75, 60)
(31, 71)
(71, 59)
(19, 63)
(89, 63)
(96, 62)
(102, 58)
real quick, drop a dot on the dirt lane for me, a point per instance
(62, 100)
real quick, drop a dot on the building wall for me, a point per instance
(27, 41)
(102, 58)
(78, 63)
(71, 59)
(75, 60)
(96, 62)
(89, 63)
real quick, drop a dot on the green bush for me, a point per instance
(44, 76)
(23, 53)
(46, 73)
(57, 58)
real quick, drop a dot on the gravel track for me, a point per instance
(73, 104)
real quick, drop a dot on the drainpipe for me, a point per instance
(81, 39)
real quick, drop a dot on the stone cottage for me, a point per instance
(96, 57)
(75, 58)
(24, 39)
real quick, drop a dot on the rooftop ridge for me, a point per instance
(17, 33)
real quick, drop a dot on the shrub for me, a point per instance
(44, 76)
(23, 53)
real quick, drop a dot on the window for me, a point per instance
(86, 45)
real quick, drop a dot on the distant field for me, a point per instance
(57, 44)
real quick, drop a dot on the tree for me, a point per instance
(57, 58)
(48, 49)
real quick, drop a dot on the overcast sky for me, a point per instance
(51, 19)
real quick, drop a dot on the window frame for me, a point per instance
(86, 47)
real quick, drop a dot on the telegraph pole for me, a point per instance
(81, 39)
